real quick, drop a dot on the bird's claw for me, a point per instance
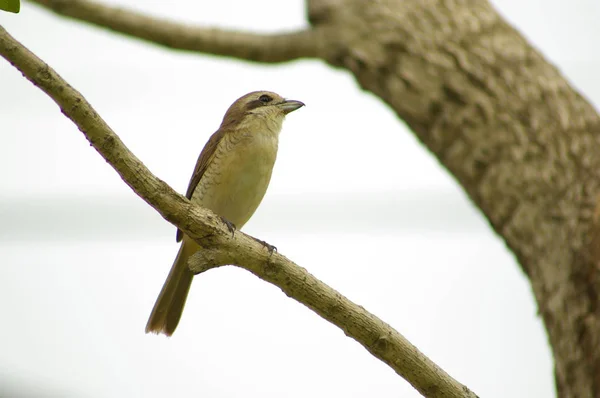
(269, 247)
(230, 226)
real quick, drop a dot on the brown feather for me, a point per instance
(204, 160)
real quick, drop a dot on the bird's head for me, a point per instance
(260, 107)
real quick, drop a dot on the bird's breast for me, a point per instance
(235, 182)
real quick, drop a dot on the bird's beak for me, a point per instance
(290, 105)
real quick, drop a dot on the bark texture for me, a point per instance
(519, 139)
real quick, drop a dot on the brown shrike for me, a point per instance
(231, 177)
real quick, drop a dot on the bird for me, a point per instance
(231, 178)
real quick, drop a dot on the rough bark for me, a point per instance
(505, 123)
(519, 139)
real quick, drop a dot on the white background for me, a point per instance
(354, 199)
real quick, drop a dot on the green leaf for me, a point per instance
(10, 5)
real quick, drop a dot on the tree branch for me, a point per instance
(220, 248)
(268, 48)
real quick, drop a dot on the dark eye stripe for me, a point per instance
(261, 101)
(265, 98)
(254, 104)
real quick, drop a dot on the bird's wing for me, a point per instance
(205, 158)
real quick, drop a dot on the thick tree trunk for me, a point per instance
(522, 142)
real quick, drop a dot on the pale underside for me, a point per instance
(241, 169)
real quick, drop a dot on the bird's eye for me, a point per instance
(265, 99)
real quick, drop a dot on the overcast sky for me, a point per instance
(354, 198)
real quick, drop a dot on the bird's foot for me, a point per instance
(269, 247)
(230, 226)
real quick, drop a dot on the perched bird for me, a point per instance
(230, 178)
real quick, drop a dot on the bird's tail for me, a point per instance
(169, 305)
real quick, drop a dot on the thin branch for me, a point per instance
(219, 247)
(268, 48)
